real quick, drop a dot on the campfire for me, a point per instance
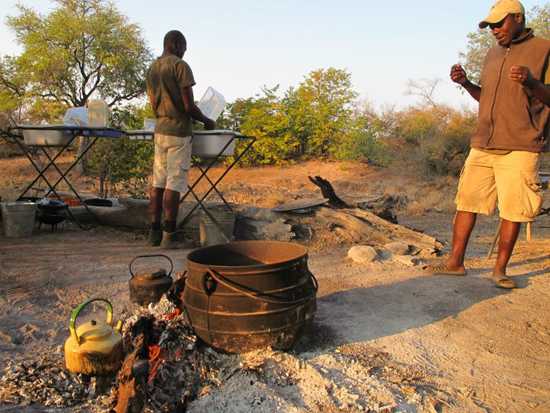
(164, 369)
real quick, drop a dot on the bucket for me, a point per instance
(220, 233)
(18, 219)
(248, 295)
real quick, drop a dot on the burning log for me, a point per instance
(165, 368)
(131, 393)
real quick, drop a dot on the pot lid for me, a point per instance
(94, 331)
(160, 273)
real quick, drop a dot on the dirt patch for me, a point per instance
(386, 337)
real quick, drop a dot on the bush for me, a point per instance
(363, 144)
(123, 165)
(439, 135)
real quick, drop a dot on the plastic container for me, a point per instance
(18, 218)
(76, 116)
(98, 113)
(212, 234)
(212, 104)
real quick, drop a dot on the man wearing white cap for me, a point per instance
(513, 129)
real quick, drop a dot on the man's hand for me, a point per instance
(209, 124)
(521, 74)
(458, 75)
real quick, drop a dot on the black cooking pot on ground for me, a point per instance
(100, 202)
(51, 211)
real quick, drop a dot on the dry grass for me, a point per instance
(271, 186)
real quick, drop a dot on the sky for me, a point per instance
(239, 46)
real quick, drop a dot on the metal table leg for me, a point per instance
(63, 174)
(213, 185)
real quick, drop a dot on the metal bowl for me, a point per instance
(210, 144)
(45, 137)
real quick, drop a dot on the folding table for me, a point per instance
(234, 137)
(248, 141)
(15, 135)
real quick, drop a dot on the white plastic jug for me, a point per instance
(212, 104)
(98, 113)
(76, 116)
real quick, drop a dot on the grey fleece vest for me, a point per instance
(509, 116)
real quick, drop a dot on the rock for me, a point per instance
(249, 229)
(397, 248)
(362, 254)
(407, 260)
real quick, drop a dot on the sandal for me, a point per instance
(443, 270)
(505, 282)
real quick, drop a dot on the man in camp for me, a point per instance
(170, 90)
(513, 129)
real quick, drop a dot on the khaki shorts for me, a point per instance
(172, 162)
(511, 179)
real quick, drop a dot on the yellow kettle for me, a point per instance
(95, 347)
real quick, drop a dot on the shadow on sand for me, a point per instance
(365, 314)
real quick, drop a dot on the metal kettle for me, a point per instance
(95, 347)
(147, 288)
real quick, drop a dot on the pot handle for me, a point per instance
(150, 256)
(75, 313)
(209, 286)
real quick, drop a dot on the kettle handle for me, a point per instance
(75, 313)
(151, 256)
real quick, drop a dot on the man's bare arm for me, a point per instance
(458, 75)
(192, 109)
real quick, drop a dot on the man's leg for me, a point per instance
(519, 200)
(170, 206)
(170, 209)
(155, 205)
(155, 213)
(463, 225)
(508, 236)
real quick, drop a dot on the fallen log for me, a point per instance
(358, 225)
(328, 192)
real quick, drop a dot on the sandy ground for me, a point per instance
(386, 337)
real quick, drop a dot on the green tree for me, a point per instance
(320, 111)
(364, 143)
(480, 41)
(266, 118)
(82, 48)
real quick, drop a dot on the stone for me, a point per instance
(397, 248)
(407, 260)
(362, 254)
